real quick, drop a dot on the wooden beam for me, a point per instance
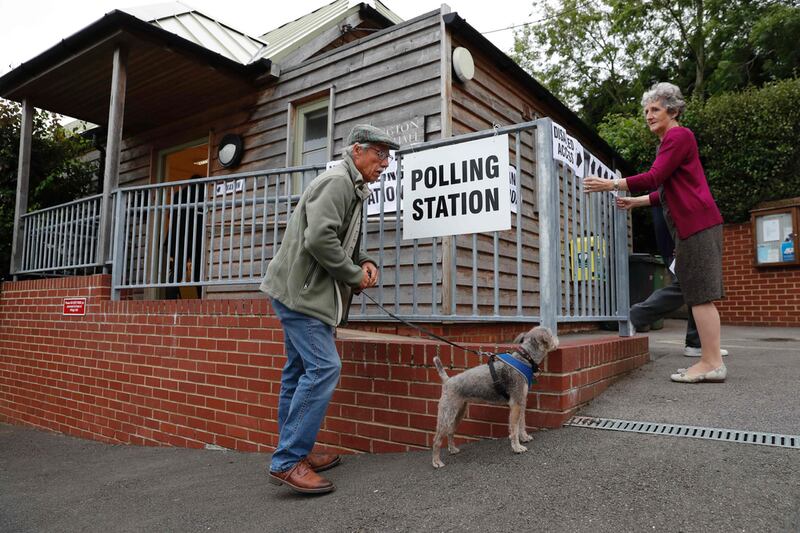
(23, 183)
(96, 47)
(446, 97)
(116, 112)
(331, 120)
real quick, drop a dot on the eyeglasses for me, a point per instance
(382, 154)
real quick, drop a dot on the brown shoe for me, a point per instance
(302, 478)
(322, 461)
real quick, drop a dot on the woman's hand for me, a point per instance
(625, 202)
(595, 184)
(629, 202)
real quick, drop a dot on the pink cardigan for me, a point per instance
(677, 167)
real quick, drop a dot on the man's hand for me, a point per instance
(370, 278)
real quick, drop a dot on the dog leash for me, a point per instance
(492, 356)
(431, 334)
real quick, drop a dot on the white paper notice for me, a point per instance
(772, 230)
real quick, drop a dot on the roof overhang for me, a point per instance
(500, 60)
(168, 77)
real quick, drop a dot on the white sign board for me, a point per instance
(389, 180)
(229, 187)
(455, 190)
(512, 186)
(595, 167)
(568, 150)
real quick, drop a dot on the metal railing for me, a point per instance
(61, 238)
(203, 232)
(564, 260)
(582, 269)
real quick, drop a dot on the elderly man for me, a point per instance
(310, 282)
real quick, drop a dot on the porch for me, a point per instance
(563, 261)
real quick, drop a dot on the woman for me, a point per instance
(681, 188)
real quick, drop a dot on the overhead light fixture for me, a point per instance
(230, 150)
(463, 65)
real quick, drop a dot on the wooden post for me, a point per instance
(331, 114)
(116, 110)
(23, 183)
(449, 288)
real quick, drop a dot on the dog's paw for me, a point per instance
(519, 448)
(453, 450)
(524, 437)
(437, 463)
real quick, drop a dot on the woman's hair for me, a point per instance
(668, 95)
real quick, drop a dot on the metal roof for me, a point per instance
(284, 39)
(184, 21)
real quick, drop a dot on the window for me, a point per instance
(310, 139)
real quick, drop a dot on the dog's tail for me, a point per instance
(440, 369)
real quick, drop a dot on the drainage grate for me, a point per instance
(693, 432)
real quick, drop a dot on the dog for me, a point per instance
(476, 384)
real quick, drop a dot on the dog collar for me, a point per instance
(519, 366)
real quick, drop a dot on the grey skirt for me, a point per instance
(698, 266)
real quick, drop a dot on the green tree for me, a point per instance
(749, 144)
(58, 174)
(600, 55)
(577, 51)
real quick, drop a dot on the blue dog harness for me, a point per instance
(525, 370)
(519, 366)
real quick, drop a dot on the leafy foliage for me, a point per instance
(600, 55)
(749, 144)
(57, 173)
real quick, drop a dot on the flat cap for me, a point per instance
(365, 133)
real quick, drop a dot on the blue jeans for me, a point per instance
(309, 378)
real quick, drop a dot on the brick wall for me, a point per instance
(756, 296)
(190, 373)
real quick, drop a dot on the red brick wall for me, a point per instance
(756, 296)
(190, 373)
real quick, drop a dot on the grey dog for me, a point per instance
(476, 384)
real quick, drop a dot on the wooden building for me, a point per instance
(169, 83)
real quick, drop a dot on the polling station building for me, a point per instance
(134, 315)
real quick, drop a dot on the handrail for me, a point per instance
(61, 206)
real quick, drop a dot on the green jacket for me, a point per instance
(311, 273)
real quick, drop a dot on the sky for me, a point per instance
(29, 27)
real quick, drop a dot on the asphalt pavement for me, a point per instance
(572, 479)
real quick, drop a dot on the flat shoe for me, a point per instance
(717, 375)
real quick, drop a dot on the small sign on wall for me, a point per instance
(74, 306)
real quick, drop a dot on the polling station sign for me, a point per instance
(456, 190)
